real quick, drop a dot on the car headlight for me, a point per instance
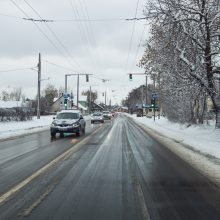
(75, 124)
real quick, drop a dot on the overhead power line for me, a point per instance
(55, 35)
(60, 66)
(132, 35)
(18, 69)
(136, 19)
(42, 32)
(37, 20)
(72, 20)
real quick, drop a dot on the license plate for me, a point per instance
(62, 129)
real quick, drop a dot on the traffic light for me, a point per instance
(130, 76)
(152, 102)
(87, 78)
(65, 102)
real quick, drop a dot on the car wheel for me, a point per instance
(79, 132)
(53, 134)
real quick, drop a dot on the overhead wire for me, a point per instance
(88, 32)
(42, 32)
(139, 45)
(18, 69)
(60, 66)
(74, 20)
(56, 37)
(84, 38)
(131, 38)
(90, 27)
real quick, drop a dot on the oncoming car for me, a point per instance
(68, 121)
(97, 117)
(107, 115)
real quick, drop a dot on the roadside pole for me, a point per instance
(90, 99)
(105, 100)
(38, 87)
(154, 108)
(154, 76)
(66, 83)
(78, 91)
(77, 74)
(146, 91)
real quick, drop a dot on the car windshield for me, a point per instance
(67, 115)
(97, 114)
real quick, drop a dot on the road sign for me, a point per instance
(66, 95)
(154, 95)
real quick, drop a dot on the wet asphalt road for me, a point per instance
(120, 173)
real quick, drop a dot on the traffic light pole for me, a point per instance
(154, 108)
(77, 74)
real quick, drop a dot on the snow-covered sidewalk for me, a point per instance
(202, 138)
(13, 129)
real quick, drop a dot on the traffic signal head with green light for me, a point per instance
(130, 77)
(87, 78)
(65, 102)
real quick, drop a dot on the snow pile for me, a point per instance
(202, 138)
(11, 129)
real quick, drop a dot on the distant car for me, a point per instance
(68, 121)
(107, 115)
(97, 117)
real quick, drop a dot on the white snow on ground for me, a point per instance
(202, 138)
(13, 129)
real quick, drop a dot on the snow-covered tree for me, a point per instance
(184, 50)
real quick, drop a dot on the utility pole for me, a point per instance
(142, 95)
(38, 87)
(77, 92)
(105, 101)
(90, 100)
(154, 76)
(146, 91)
(66, 83)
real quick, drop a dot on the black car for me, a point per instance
(68, 121)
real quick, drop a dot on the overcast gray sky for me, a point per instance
(100, 46)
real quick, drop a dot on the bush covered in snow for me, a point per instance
(16, 114)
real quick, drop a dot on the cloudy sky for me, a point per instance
(86, 36)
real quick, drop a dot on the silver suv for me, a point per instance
(68, 121)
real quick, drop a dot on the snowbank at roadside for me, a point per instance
(202, 138)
